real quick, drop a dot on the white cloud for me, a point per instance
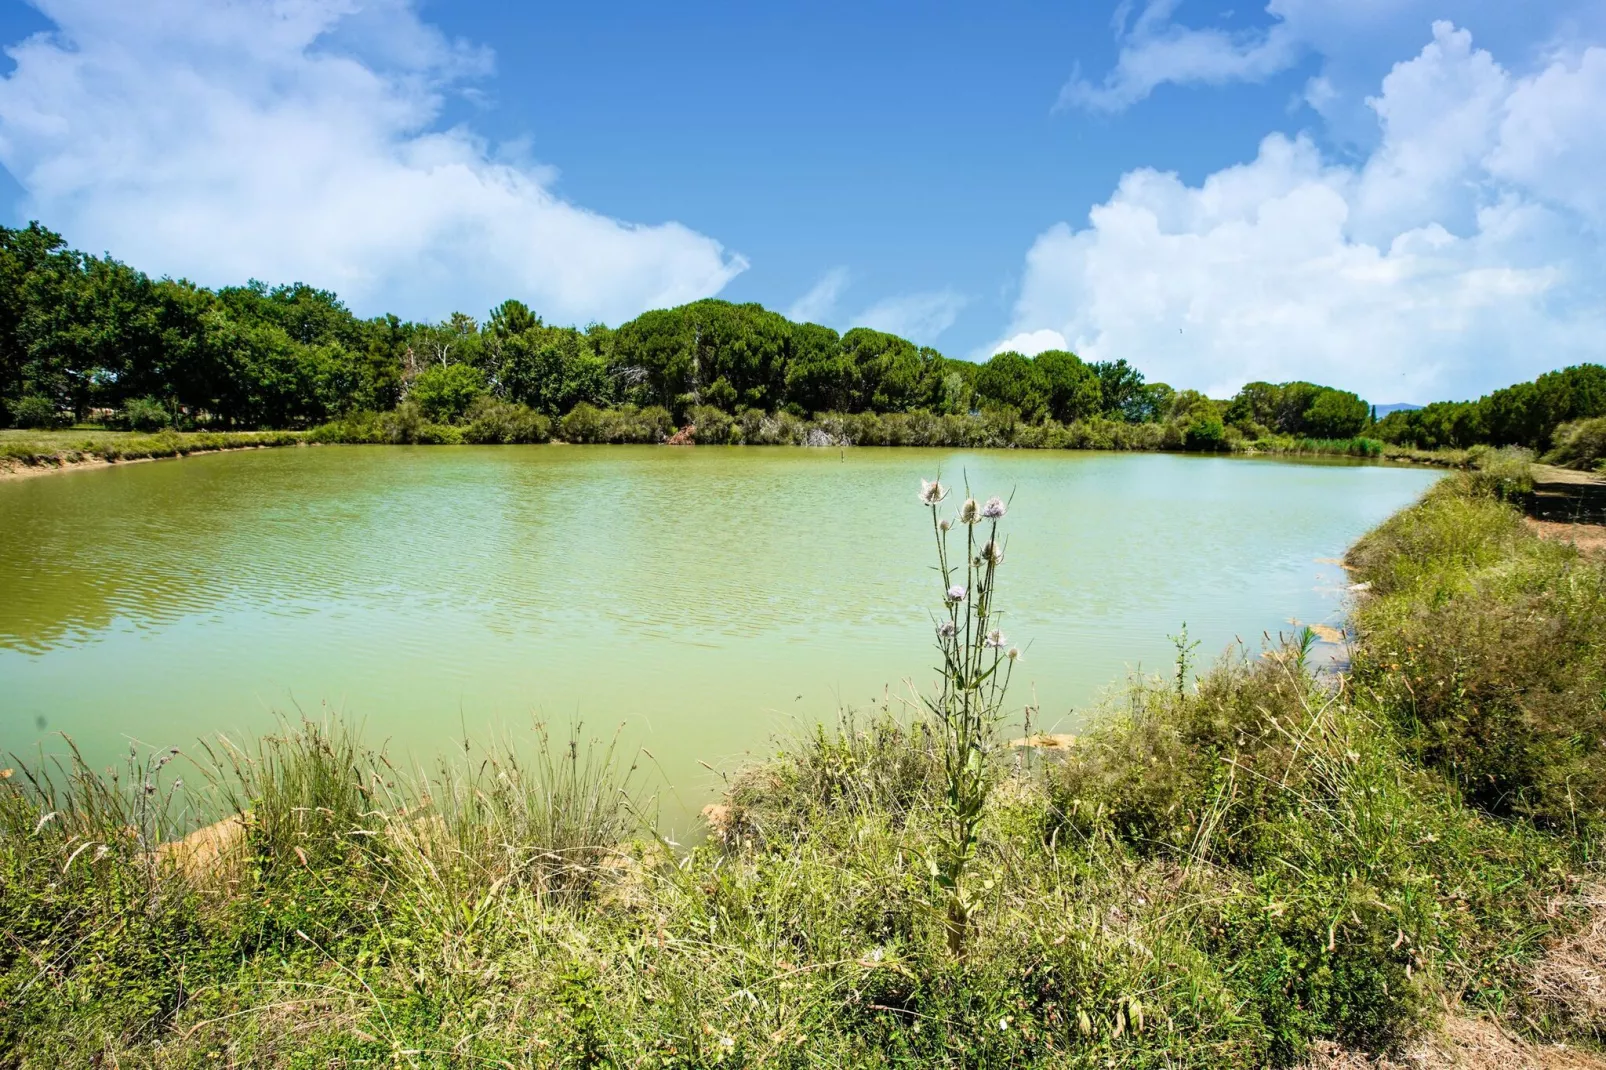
(1156, 51)
(1030, 343)
(298, 139)
(1464, 253)
(818, 305)
(919, 317)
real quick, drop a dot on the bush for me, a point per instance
(499, 422)
(713, 426)
(588, 424)
(1505, 474)
(36, 412)
(1204, 432)
(144, 414)
(445, 392)
(1580, 444)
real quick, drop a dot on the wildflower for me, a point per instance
(970, 512)
(946, 629)
(994, 509)
(945, 524)
(995, 639)
(1013, 653)
(727, 1042)
(993, 553)
(956, 593)
(933, 492)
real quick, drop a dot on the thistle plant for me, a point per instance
(975, 671)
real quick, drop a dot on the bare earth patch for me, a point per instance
(1463, 1044)
(1589, 538)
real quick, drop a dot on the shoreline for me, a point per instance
(16, 471)
(13, 469)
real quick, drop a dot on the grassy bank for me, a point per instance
(1220, 874)
(60, 449)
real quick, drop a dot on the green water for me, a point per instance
(704, 599)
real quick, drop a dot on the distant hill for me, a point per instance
(1398, 406)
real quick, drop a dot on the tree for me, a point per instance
(1336, 414)
(1071, 389)
(888, 371)
(1122, 391)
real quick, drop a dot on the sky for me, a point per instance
(1398, 197)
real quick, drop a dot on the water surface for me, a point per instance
(705, 599)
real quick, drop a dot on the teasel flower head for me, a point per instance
(956, 593)
(994, 509)
(931, 493)
(970, 512)
(945, 524)
(995, 639)
(946, 629)
(1014, 654)
(993, 553)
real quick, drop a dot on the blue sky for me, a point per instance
(1397, 196)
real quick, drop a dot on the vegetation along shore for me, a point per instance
(1264, 865)
(90, 342)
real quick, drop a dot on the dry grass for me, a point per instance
(1462, 1044)
(1570, 980)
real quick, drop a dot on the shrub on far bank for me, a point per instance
(36, 413)
(144, 414)
(587, 424)
(445, 392)
(1580, 444)
(493, 422)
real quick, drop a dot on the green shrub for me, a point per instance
(586, 423)
(35, 411)
(498, 422)
(713, 425)
(1506, 473)
(445, 392)
(1580, 444)
(144, 414)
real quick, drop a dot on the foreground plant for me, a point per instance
(975, 676)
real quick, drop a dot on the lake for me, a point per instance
(704, 599)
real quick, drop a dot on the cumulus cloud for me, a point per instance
(819, 304)
(919, 317)
(1464, 253)
(1030, 343)
(299, 139)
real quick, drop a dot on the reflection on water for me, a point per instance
(703, 597)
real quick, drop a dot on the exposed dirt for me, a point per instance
(1463, 1044)
(1589, 538)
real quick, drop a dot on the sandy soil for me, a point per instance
(1589, 538)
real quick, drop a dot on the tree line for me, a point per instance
(85, 337)
(1524, 414)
